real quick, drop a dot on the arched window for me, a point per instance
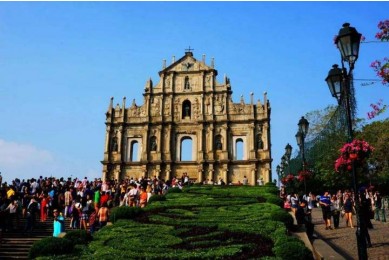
(134, 151)
(186, 84)
(239, 145)
(218, 142)
(186, 109)
(153, 143)
(186, 149)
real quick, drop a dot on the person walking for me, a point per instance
(365, 223)
(348, 206)
(335, 210)
(379, 208)
(325, 203)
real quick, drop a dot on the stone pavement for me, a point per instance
(341, 243)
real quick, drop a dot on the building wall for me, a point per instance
(188, 104)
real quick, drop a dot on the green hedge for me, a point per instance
(79, 237)
(201, 222)
(51, 246)
(124, 212)
(155, 198)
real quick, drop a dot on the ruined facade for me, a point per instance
(189, 123)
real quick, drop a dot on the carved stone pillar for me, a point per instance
(210, 173)
(200, 174)
(168, 173)
(253, 176)
(225, 174)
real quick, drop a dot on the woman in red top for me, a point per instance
(143, 198)
(103, 215)
(44, 206)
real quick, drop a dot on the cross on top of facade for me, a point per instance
(189, 49)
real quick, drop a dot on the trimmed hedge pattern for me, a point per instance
(201, 222)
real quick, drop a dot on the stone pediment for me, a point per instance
(186, 64)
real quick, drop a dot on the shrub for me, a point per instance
(293, 250)
(282, 216)
(203, 222)
(124, 212)
(51, 246)
(275, 200)
(79, 237)
(174, 190)
(156, 198)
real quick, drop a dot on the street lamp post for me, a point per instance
(303, 125)
(286, 157)
(288, 151)
(338, 81)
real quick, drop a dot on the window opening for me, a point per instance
(186, 149)
(239, 145)
(134, 151)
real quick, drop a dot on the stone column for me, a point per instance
(225, 174)
(253, 176)
(210, 172)
(200, 174)
(168, 173)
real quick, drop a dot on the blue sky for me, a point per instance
(60, 62)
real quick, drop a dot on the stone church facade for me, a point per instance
(189, 123)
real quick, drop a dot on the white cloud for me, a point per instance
(18, 160)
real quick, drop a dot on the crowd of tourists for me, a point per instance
(86, 203)
(337, 206)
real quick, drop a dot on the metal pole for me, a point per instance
(303, 157)
(361, 225)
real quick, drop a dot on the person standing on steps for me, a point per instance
(58, 224)
(32, 209)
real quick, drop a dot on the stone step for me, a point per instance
(16, 244)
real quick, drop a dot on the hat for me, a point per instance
(56, 210)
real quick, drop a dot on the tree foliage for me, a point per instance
(377, 134)
(327, 136)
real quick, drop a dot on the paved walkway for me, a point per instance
(343, 240)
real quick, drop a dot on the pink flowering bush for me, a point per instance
(303, 175)
(378, 108)
(287, 179)
(381, 67)
(383, 34)
(356, 151)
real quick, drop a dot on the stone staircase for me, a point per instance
(16, 244)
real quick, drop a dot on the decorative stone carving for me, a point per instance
(214, 137)
(219, 106)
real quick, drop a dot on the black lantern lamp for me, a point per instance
(283, 161)
(278, 170)
(288, 150)
(348, 41)
(303, 126)
(335, 82)
(299, 138)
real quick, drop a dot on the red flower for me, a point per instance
(303, 175)
(356, 151)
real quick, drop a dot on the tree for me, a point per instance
(377, 134)
(326, 135)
